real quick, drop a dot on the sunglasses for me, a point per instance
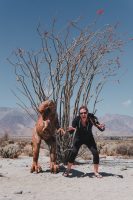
(83, 113)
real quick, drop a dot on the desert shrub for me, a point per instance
(11, 142)
(84, 153)
(121, 149)
(5, 137)
(3, 140)
(124, 149)
(100, 145)
(27, 150)
(3, 143)
(130, 150)
(10, 151)
(21, 144)
(116, 147)
(109, 149)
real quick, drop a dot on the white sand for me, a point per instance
(16, 182)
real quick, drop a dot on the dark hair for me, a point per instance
(83, 107)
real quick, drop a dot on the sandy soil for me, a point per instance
(16, 182)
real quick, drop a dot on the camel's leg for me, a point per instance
(36, 141)
(54, 168)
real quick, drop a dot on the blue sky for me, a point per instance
(18, 22)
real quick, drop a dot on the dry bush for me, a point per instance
(130, 150)
(27, 150)
(5, 137)
(4, 140)
(26, 147)
(84, 153)
(109, 150)
(121, 149)
(10, 151)
(116, 147)
(124, 149)
(21, 144)
(100, 145)
(4, 143)
(14, 147)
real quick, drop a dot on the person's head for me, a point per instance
(83, 112)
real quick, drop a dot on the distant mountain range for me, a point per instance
(117, 125)
(16, 121)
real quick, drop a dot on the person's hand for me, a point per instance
(101, 126)
(61, 130)
(70, 128)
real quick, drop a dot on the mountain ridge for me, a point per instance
(15, 121)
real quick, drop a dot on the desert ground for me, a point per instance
(16, 181)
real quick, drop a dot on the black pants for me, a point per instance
(89, 141)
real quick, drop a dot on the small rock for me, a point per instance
(18, 192)
(1, 175)
(123, 168)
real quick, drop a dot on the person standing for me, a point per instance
(83, 124)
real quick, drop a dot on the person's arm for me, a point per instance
(101, 126)
(72, 128)
(96, 123)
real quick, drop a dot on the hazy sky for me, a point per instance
(18, 22)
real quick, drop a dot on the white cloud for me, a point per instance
(127, 103)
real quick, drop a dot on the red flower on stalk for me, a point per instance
(100, 11)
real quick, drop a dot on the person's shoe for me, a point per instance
(97, 175)
(66, 173)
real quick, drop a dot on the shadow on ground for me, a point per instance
(78, 174)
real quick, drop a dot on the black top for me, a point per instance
(92, 120)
